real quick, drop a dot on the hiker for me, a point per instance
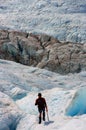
(41, 103)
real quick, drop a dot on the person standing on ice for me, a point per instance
(41, 103)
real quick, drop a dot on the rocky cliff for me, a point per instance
(42, 51)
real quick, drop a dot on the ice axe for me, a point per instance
(47, 116)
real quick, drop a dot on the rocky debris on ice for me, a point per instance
(42, 51)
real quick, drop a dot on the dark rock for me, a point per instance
(42, 51)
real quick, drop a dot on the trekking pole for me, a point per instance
(47, 116)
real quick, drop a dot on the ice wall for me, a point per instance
(78, 105)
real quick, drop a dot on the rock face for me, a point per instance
(42, 51)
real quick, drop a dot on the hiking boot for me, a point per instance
(39, 122)
(43, 118)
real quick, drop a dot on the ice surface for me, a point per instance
(78, 105)
(62, 19)
(19, 86)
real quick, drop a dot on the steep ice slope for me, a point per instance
(64, 19)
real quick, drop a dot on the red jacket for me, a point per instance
(41, 102)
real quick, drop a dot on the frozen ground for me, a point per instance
(65, 95)
(64, 19)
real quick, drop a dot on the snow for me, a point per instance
(19, 86)
(76, 124)
(9, 113)
(64, 19)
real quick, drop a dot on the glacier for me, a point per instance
(78, 106)
(19, 86)
(62, 19)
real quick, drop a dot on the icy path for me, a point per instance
(56, 100)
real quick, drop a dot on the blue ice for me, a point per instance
(78, 105)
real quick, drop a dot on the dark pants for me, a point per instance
(41, 111)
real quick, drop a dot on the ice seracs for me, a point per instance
(62, 19)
